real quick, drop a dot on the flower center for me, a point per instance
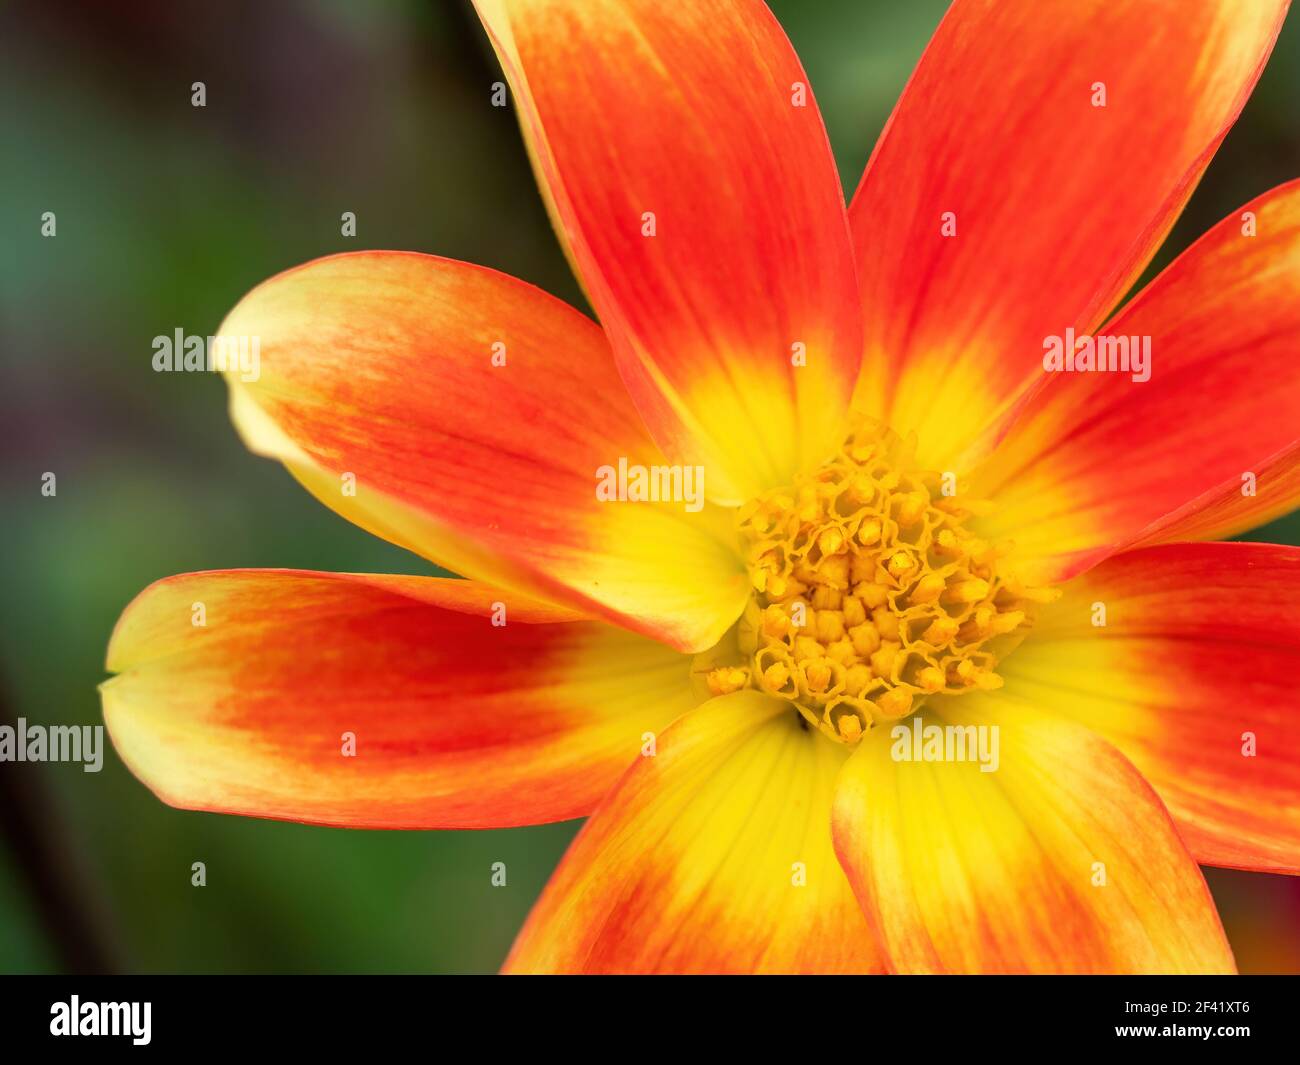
(870, 592)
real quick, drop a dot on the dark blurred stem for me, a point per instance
(33, 832)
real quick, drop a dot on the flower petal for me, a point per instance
(1192, 676)
(378, 389)
(1060, 860)
(1058, 203)
(714, 855)
(458, 722)
(1269, 490)
(1099, 461)
(696, 119)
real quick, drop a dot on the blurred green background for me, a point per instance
(167, 214)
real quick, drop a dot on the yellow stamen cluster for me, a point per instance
(870, 593)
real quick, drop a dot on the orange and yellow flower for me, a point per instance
(911, 530)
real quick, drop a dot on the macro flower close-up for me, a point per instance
(860, 569)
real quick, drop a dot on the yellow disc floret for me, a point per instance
(870, 592)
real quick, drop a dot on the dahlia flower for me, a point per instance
(945, 672)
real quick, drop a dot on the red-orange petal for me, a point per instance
(468, 416)
(1270, 489)
(454, 721)
(1185, 657)
(1097, 460)
(1058, 860)
(712, 855)
(1057, 203)
(734, 322)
